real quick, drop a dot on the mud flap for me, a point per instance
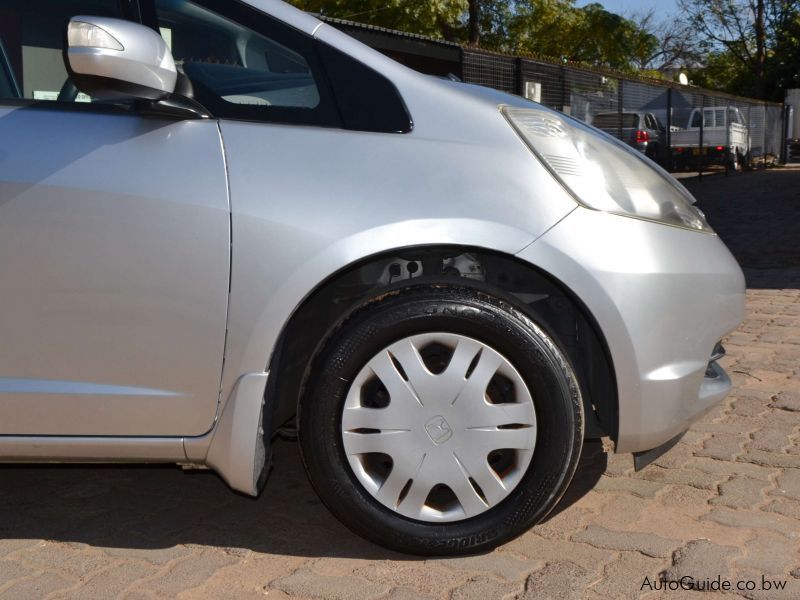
(642, 459)
(240, 450)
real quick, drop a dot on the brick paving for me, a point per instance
(724, 502)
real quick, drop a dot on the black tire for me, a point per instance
(373, 326)
(735, 161)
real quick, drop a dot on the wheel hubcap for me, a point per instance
(439, 427)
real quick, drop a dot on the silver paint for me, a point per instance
(116, 260)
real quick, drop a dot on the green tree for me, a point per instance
(605, 38)
(545, 27)
(438, 18)
(748, 45)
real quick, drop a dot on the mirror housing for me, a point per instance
(115, 59)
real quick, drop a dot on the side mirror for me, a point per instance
(113, 59)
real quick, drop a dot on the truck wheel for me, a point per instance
(735, 161)
(440, 420)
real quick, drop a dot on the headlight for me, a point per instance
(603, 173)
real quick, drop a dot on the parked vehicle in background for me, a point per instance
(641, 130)
(725, 139)
(220, 218)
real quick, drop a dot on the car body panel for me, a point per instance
(114, 237)
(353, 201)
(663, 297)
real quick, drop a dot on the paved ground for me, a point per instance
(725, 502)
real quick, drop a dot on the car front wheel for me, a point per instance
(440, 420)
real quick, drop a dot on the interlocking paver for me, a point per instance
(701, 560)
(499, 565)
(481, 588)
(639, 487)
(623, 577)
(557, 580)
(770, 553)
(429, 578)
(154, 532)
(646, 543)
(788, 484)
(740, 492)
(307, 583)
(38, 586)
(744, 519)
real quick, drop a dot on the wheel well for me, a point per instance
(546, 300)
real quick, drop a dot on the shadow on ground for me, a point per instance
(756, 215)
(152, 507)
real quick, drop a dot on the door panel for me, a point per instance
(114, 271)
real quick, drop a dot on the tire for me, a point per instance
(541, 375)
(735, 161)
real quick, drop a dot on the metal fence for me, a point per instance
(682, 127)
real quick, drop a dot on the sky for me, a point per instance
(664, 9)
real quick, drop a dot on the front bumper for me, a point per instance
(662, 297)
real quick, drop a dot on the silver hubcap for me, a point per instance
(439, 427)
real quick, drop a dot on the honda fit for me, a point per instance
(219, 218)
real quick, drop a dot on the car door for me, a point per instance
(114, 249)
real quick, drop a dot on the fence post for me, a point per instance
(784, 134)
(764, 137)
(620, 99)
(727, 142)
(520, 82)
(700, 161)
(563, 87)
(669, 157)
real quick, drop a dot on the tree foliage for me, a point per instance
(555, 28)
(749, 47)
(746, 46)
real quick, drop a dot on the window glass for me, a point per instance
(232, 62)
(31, 39)
(696, 122)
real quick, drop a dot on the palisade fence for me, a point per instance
(586, 93)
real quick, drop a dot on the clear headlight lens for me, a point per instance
(603, 173)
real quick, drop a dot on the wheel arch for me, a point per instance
(540, 294)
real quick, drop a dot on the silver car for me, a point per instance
(219, 219)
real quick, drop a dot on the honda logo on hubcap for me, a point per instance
(438, 430)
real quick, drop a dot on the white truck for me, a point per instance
(726, 139)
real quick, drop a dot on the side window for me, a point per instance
(244, 64)
(231, 63)
(696, 122)
(31, 40)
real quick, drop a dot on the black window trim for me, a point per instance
(5, 64)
